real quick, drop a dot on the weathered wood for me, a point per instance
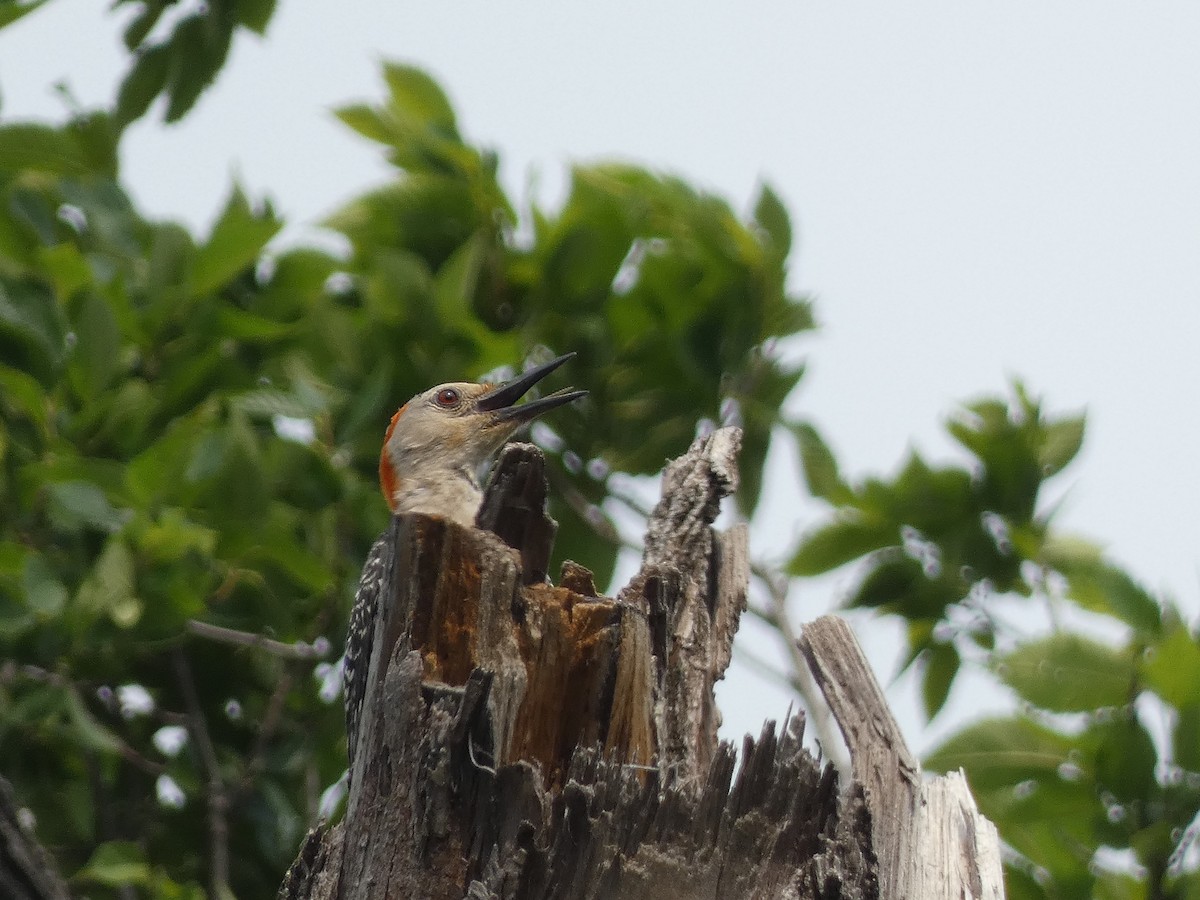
(514, 508)
(521, 740)
(693, 582)
(930, 840)
(880, 759)
(958, 850)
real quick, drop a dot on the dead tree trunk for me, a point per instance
(521, 740)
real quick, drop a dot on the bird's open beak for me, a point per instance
(500, 399)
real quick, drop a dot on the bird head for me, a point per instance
(442, 436)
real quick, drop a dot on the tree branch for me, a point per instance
(216, 795)
(11, 670)
(296, 650)
(814, 701)
(266, 730)
(27, 871)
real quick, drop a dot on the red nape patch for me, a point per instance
(388, 480)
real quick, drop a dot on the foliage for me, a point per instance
(190, 428)
(1088, 800)
(182, 64)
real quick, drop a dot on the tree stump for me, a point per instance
(521, 740)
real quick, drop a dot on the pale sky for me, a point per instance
(980, 191)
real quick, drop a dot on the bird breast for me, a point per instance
(455, 497)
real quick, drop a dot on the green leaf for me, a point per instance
(820, 466)
(1000, 753)
(267, 402)
(143, 23)
(1021, 885)
(45, 595)
(1153, 844)
(1186, 741)
(309, 481)
(145, 81)
(1099, 586)
(255, 14)
(23, 395)
(454, 284)
(173, 537)
(244, 326)
(171, 254)
(117, 864)
(240, 489)
(366, 410)
(1060, 443)
(32, 330)
(841, 541)
(1125, 758)
(12, 11)
(199, 46)
(771, 215)
(41, 148)
(66, 267)
(415, 94)
(366, 121)
(901, 585)
(77, 505)
(1050, 798)
(97, 354)
(235, 243)
(1119, 886)
(1173, 668)
(86, 730)
(941, 665)
(1069, 673)
(84, 146)
(298, 564)
(109, 587)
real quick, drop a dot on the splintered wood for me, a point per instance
(523, 740)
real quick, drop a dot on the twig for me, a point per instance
(629, 500)
(149, 766)
(11, 670)
(297, 650)
(266, 730)
(583, 507)
(832, 744)
(764, 668)
(218, 799)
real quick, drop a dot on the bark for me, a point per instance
(523, 740)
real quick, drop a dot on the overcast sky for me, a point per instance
(981, 191)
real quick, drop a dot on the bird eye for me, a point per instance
(447, 397)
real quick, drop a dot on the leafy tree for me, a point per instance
(190, 428)
(1088, 801)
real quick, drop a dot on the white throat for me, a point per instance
(450, 493)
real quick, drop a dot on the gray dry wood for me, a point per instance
(931, 841)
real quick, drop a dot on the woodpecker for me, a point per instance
(432, 451)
